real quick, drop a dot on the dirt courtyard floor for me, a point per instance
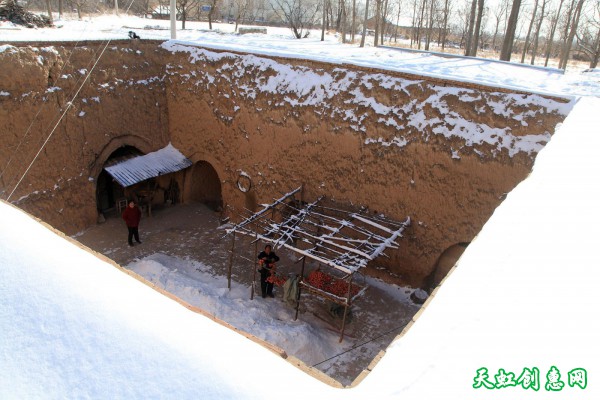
(193, 232)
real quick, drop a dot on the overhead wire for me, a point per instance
(69, 105)
(41, 107)
(360, 345)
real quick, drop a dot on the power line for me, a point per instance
(69, 104)
(360, 345)
(40, 109)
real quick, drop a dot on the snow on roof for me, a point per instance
(151, 165)
(343, 240)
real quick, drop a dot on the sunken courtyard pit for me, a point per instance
(241, 130)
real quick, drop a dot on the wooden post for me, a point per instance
(299, 287)
(255, 267)
(346, 308)
(231, 261)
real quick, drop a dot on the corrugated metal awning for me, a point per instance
(151, 165)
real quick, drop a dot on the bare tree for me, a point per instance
(299, 15)
(431, 19)
(469, 38)
(589, 42)
(420, 19)
(444, 27)
(364, 30)
(353, 26)
(49, 9)
(241, 8)
(460, 28)
(511, 27)
(531, 22)
(566, 46)
(141, 7)
(474, 31)
(213, 7)
(477, 31)
(536, 36)
(500, 13)
(184, 8)
(553, 26)
(324, 22)
(399, 4)
(377, 22)
(344, 18)
(78, 5)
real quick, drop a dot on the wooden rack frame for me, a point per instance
(343, 240)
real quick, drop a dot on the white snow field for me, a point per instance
(515, 319)
(523, 295)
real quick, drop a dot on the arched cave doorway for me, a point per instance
(444, 264)
(205, 186)
(107, 190)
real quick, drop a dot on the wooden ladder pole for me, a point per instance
(346, 307)
(255, 266)
(300, 287)
(231, 261)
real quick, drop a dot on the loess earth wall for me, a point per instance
(444, 153)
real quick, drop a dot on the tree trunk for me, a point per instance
(596, 49)
(353, 20)
(49, 8)
(413, 24)
(552, 32)
(397, 23)
(377, 22)
(343, 21)
(536, 36)
(364, 31)
(509, 37)
(60, 8)
(477, 31)
(383, 19)
(445, 25)
(420, 25)
(324, 20)
(469, 38)
(565, 33)
(567, 46)
(430, 25)
(526, 44)
(495, 35)
(210, 14)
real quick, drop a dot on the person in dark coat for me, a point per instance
(132, 216)
(267, 260)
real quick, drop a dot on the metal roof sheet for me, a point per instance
(151, 165)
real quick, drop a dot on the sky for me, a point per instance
(522, 300)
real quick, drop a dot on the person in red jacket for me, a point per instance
(132, 216)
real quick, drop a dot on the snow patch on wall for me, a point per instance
(8, 48)
(320, 89)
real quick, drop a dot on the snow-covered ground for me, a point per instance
(279, 42)
(522, 301)
(518, 314)
(200, 285)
